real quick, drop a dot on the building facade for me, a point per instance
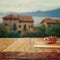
(18, 23)
(48, 22)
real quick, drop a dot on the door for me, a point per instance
(14, 27)
(25, 28)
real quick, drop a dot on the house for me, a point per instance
(48, 22)
(18, 23)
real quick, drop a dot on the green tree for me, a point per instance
(54, 30)
(13, 34)
(41, 32)
(3, 32)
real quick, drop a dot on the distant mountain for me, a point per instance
(50, 13)
(53, 13)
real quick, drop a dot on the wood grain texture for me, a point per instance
(23, 48)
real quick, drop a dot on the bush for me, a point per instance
(43, 31)
(4, 33)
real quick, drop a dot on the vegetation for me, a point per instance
(54, 30)
(42, 31)
(4, 33)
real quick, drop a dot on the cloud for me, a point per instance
(28, 5)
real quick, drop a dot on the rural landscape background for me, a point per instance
(38, 16)
(29, 29)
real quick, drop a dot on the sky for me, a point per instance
(28, 5)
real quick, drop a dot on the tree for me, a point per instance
(41, 32)
(3, 32)
(13, 34)
(54, 30)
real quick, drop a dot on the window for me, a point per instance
(14, 19)
(25, 28)
(19, 26)
(14, 27)
(20, 21)
(6, 24)
(5, 18)
(30, 26)
(50, 25)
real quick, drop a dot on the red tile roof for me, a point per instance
(49, 20)
(10, 16)
(21, 18)
(25, 18)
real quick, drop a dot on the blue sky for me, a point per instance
(28, 5)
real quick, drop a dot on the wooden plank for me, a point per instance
(45, 46)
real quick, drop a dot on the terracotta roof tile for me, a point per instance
(10, 16)
(48, 20)
(21, 18)
(26, 18)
